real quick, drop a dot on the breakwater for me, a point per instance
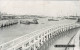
(5, 23)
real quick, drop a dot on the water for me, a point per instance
(15, 31)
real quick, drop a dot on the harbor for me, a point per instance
(39, 25)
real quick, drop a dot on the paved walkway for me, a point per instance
(63, 39)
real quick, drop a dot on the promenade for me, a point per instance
(60, 40)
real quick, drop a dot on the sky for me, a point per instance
(47, 8)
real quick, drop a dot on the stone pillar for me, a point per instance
(38, 45)
(35, 47)
(41, 41)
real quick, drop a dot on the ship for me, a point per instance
(34, 21)
(53, 19)
(24, 22)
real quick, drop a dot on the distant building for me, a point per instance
(8, 16)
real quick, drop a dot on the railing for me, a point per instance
(30, 38)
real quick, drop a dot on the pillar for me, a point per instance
(41, 41)
(35, 47)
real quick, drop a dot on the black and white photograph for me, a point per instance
(39, 24)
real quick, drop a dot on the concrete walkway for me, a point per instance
(63, 39)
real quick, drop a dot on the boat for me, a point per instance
(53, 20)
(78, 20)
(35, 21)
(24, 22)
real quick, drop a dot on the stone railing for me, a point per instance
(35, 39)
